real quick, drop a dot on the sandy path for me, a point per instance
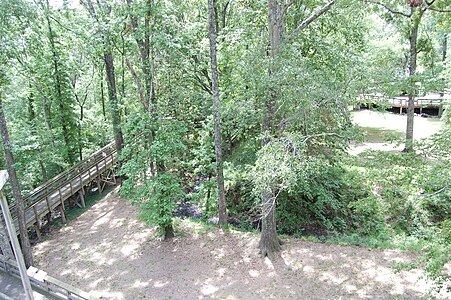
(108, 251)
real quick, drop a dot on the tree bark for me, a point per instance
(114, 106)
(26, 248)
(444, 54)
(216, 115)
(59, 93)
(168, 232)
(412, 72)
(110, 74)
(102, 94)
(269, 242)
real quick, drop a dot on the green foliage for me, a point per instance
(155, 190)
(158, 198)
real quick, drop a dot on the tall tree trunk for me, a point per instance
(444, 54)
(168, 232)
(216, 115)
(269, 242)
(412, 72)
(80, 144)
(115, 112)
(102, 94)
(59, 93)
(26, 248)
(147, 95)
(31, 121)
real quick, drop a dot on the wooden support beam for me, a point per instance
(36, 217)
(81, 184)
(99, 187)
(61, 198)
(82, 198)
(38, 231)
(71, 188)
(63, 215)
(49, 215)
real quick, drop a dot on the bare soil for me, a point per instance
(108, 251)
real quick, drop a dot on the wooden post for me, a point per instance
(14, 241)
(38, 231)
(99, 187)
(400, 109)
(81, 185)
(49, 215)
(71, 189)
(61, 198)
(82, 198)
(63, 216)
(36, 216)
(37, 225)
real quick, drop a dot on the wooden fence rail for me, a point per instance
(49, 284)
(402, 101)
(53, 193)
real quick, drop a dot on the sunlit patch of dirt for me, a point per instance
(108, 251)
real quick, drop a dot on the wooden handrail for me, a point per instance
(47, 283)
(59, 181)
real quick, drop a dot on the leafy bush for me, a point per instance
(156, 190)
(158, 199)
(321, 200)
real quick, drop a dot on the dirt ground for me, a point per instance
(109, 252)
(423, 128)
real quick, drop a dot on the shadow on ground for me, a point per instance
(107, 250)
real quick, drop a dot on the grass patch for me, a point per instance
(397, 242)
(90, 200)
(380, 135)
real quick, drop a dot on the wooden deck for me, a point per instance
(428, 101)
(53, 194)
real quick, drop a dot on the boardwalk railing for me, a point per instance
(402, 101)
(49, 284)
(44, 199)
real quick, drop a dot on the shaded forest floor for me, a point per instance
(108, 251)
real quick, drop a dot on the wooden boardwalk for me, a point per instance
(428, 101)
(44, 200)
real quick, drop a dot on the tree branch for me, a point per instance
(440, 10)
(435, 193)
(138, 84)
(310, 19)
(391, 10)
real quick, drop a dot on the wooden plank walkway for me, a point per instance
(51, 195)
(428, 101)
